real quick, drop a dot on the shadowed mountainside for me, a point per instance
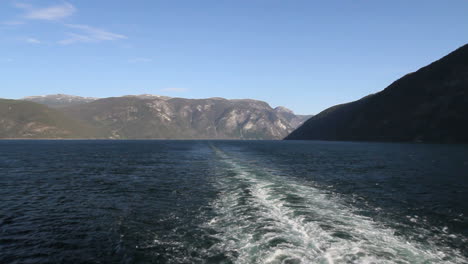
(429, 105)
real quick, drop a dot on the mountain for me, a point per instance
(59, 100)
(22, 119)
(149, 96)
(294, 120)
(429, 105)
(145, 117)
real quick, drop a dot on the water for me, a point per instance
(232, 202)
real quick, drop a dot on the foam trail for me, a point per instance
(267, 218)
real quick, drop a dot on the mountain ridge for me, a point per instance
(128, 117)
(59, 100)
(428, 105)
(149, 116)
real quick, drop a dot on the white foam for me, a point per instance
(267, 218)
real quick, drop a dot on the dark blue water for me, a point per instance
(232, 202)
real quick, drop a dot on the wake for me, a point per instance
(267, 218)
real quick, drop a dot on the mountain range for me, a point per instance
(429, 105)
(144, 117)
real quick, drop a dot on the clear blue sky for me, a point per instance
(306, 55)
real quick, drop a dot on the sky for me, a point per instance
(306, 55)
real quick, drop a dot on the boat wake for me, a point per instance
(262, 217)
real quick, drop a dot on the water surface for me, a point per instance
(232, 202)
